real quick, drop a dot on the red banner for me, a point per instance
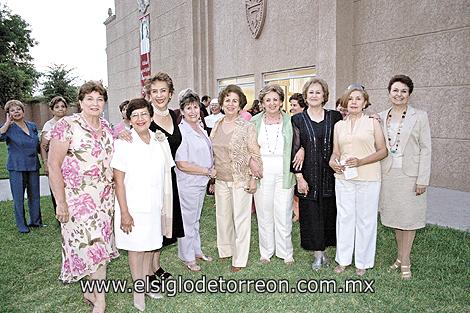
(145, 70)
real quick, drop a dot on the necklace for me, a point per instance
(272, 122)
(89, 125)
(267, 136)
(162, 113)
(394, 145)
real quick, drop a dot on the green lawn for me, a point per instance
(3, 162)
(29, 267)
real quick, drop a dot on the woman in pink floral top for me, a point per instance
(81, 179)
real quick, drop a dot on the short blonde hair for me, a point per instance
(14, 103)
(345, 97)
(323, 85)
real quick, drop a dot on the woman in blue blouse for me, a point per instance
(23, 163)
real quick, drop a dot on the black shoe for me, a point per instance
(36, 225)
(160, 273)
(24, 231)
(155, 283)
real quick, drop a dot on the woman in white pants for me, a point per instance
(276, 189)
(194, 168)
(238, 165)
(358, 147)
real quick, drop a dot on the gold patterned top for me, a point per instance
(242, 147)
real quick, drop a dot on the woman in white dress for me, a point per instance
(141, 174)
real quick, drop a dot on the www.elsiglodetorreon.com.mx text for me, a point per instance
(171, 287)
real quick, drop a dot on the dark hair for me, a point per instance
(300, 99)
(138, 103)
(161, 77)
(188, 97)
(123, 104)
(205, 98)
(338, 102)
(89, 87)
(56, 100)
(235, 89)
(268, 88)
(323, 85)
(402, 79)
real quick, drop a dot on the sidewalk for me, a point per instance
(446, 207)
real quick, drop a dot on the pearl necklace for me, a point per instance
(162, 113)
(394, 145)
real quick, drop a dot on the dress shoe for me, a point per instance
(162, 274)
(235, 269)
(36, 225)
(360, 271)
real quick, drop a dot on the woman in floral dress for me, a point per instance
(81, 179)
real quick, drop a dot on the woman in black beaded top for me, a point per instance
(313, 131)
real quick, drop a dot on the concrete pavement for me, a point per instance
(448, 208)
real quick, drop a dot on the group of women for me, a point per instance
(146, 190)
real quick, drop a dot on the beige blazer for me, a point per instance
(416, 138)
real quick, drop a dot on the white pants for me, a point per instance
(356, 222)
(274, 213)
(191, 201)
(233, 215)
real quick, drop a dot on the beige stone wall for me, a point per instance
(429, 41)
(366, 41)
(171, 48)
(279, 47)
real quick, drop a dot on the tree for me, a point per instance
(59, 82)
(18, 77)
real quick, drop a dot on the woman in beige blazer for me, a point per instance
(406, 169)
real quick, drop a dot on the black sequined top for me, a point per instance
(317, 141)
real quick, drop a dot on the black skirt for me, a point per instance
(317, 223)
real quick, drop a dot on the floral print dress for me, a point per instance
(87, 237)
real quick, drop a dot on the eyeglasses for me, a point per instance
(356, 86)
(143, 115)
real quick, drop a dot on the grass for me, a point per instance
(3, 162)
(30, 264)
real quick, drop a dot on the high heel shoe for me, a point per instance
(317, 263)
(405, 272)
(360, 271)
(139, 307)
(339, 269)
(160, 273)
(395, 265)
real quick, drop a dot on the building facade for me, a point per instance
(205, 45)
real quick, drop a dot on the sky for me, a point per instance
(69, 32)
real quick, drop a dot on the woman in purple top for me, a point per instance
(195, 167)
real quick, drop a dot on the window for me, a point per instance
(246, 83)
(291, 81)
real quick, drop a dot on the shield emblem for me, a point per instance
(255, 13)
